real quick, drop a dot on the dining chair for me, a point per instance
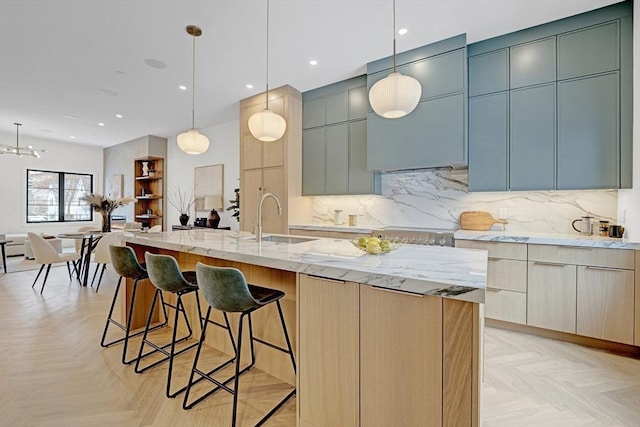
(102, 255)
(155, 229)
(46, 255)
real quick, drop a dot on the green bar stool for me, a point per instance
(165, 275)
(125, 263)
(226, 289)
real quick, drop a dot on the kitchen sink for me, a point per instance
(283, 239)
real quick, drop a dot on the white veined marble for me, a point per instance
(411, 268)
(436, 198)
(547, 239)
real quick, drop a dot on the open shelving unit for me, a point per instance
(149, 190)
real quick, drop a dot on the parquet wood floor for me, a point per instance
(53, 372)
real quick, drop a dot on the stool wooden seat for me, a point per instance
(225, 289)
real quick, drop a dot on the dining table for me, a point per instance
(89, 241)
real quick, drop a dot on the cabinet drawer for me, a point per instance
(507, 274)
(598, 257)
(506, 305)
(497, 249)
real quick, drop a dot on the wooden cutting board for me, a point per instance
(478, 220)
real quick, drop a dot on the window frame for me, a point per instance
(61, 196)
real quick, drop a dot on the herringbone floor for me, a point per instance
(54, 373)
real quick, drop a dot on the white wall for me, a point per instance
(629, 200)
(224, 147)
(60, 157)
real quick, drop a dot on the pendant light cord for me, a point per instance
(267, 91)
(394, 36)
(193, 85)
(17, 139)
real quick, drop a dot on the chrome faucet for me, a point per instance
(259, 225)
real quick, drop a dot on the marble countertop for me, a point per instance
(411, 268)
(547, 239)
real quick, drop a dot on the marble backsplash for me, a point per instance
(435, 199)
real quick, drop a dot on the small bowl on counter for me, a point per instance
(376, 245)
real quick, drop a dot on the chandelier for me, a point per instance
(20, 151)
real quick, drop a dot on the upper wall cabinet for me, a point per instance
(434, 134)
(334, 140)
(566, 105)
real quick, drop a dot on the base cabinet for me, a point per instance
(551, 302)
(605, 304)
(396, 327)
(374, 357)
(329, 352)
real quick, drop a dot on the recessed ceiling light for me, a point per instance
(72, 137)
(182, 87)
(154, 63)
(249, 86)
(403, 31)
(100, 124)
(119, 116)
(313, 62)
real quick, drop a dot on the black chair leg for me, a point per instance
(104, 267)
(45, 278)
(40, 271)
(236, 379)
(69, 271)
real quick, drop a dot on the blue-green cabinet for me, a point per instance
(489, 72)
(334, 140)
(434, 134)
(568, 116)
(588, 132)
(532, 63)
(488, 143)
(532, 138)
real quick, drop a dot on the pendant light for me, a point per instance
(266, 125)
(29, 150)
(396, 95)
(192, 141)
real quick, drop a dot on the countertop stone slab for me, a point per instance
(547, 239)
(416, 269)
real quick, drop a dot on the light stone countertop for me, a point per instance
(547, 239)
(411, 268)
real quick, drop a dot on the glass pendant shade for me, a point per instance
(193, 142)
(395, 96)
(267, 126)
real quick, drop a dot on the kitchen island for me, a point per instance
(390, 339)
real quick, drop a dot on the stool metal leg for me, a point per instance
(172, 353)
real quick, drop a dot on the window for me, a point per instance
(55, 196)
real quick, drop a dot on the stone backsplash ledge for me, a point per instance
(435, 199)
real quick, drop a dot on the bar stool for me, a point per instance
(226, 289)
(165, 275)
(125, 263)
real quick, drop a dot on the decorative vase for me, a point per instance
(106, 222)
(184, 219)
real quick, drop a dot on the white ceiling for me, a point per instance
(85, 58)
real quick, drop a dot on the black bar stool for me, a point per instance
(125, 263)
(165, 275)
(226, 289)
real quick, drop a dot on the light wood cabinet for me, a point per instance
(394, 394)
(506, 295)
(270, 166)
(605, 303)
(637, 301)
(149, 190)
(551, 296)
(329, 352)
